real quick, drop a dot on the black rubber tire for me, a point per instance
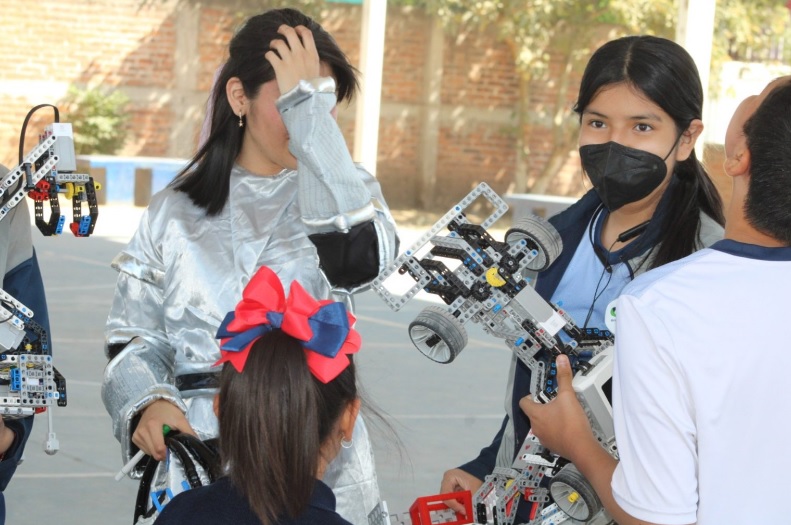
(567, 482)
(438, 335)
(540, 235)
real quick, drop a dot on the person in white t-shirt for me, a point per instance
(701, 358)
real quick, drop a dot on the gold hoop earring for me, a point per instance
(241, 122)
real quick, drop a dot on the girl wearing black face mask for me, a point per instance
(640, 105)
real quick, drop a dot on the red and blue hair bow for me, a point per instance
(323, 327)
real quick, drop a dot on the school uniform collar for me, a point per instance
(752, 251)
(323, 497)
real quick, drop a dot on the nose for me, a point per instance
(619, 136)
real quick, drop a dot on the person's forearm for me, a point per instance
(332, 196)
(598, 466)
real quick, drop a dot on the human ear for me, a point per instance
(216, 405)
(348, 418)
(688, 140)
(234, 90)
(738, 164)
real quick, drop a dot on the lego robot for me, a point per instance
(29, 383)
(485, 281)
(44, 173)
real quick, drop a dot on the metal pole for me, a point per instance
(695, 31)
(372, 40)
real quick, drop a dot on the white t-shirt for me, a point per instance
(700, 398)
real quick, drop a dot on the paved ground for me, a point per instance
(441, 414)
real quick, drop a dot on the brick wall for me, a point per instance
(84, 42)
(119, 44)
(216, 28)
(406, 42)
(480, 73)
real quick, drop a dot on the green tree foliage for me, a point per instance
(531, 27)
(98, 118)
(752, 30)
(537, 31)
(245, 8)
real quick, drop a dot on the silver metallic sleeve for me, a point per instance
(143, 371)
(331, 195)
(334, 193)
(383, 222)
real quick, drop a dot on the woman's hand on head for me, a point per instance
(148, 435)
(294, 58)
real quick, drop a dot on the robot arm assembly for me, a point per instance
(485, 281)
(49, 169)
(29, 383)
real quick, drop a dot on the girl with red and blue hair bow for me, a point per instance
(287, 404)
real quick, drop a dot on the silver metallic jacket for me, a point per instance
(183, 271)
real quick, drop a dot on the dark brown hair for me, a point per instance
(274, 418)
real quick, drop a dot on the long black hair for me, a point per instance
(274, 418)
(767, 206)
(665, 73)
(206, 178)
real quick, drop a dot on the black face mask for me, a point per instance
(622, 175)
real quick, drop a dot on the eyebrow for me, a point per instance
(647, 116)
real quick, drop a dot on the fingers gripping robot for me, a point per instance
(29, 383)
(485, 281)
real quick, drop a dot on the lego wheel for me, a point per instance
(540, 236)
(438, 335)
(573, 494)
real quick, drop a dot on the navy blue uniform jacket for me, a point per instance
(220, 503)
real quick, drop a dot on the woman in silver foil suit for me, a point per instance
(273, 185)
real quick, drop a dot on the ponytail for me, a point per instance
(694, 193)
(274, 418)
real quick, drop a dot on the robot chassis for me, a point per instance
(29, 383)
(490, 285)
